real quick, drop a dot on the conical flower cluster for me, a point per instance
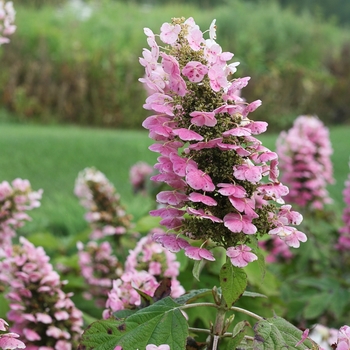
(15, 199)
(99, 267)
(224, 187)
(7, 18)
(105, 213)
(304, 153)
(42, 314)
(138, 174)
(344, 239)
(145, 267)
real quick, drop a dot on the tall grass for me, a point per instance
(51, 157)
(84, 70)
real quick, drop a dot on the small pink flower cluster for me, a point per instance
(224, 181)
(331, 338)
(343, 342)
(15, 200)
(149, 347)
(98, 267)
(7, 18)
(277, 249)
(139, 173)
(145, 267)
(9, 340)
(304, 153)
(344, 239)
(105, 213)
(43, 315)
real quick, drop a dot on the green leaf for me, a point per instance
(277, 333)
(146, 223)
(261, 259)
(339, 301)
(317, 305)
(182, 259)
(192, 296)
(197, 268)
(253, 295)
(122, 314)
(238, 334)
(233, 282)
(160, 323)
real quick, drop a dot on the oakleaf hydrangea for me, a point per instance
(344, 239)
(145, 267)
(99, 267)
(105, 212)
(304, 153)
(15, 199)
(138, 174)
(7, 18)
(43, 315)
(224, 188)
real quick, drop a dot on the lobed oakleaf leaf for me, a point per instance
(159, 323)
(277, 333)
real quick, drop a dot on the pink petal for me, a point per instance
(199, 180)
(198, 197)
(187, 135)
(171, 197)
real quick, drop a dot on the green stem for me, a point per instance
(188, 306)
(218, 326)
(249, 313)
(233, 308)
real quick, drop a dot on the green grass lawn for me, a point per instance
(50, 157)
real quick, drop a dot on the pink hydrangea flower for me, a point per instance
(15, 199)
(160, 347)
(169, 33)
(9, 340)
(156, 260)
(304, 156)
(344, 231)
(41, 312)
(343, 342)
(241, 255)
(224, 182)
(138, 174)
(7, 18)
(106, 215)
(195, 71)
(99, 267)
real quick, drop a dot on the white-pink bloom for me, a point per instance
(160, 347)
(169, 33)
(241, 255)
(7, 18)
(343, 342)
(33, 293)
(9, 340)
(195, 71)
(105, 213)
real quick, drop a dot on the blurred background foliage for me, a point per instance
(77, 61)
